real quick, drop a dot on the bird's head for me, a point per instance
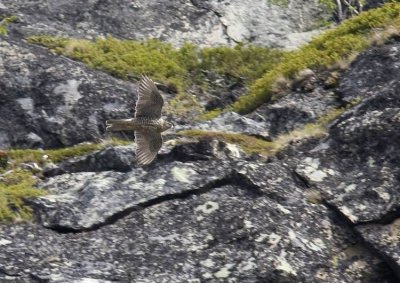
(165, 125)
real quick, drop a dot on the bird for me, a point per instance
(147, 122)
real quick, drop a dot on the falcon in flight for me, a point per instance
(147, 122)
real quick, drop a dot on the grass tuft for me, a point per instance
(17, 184)
(248, 143)
(4, 24)
(15, 187)
(252, 144)
(19, 156)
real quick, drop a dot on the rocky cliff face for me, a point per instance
(202, 22)
(323, 209)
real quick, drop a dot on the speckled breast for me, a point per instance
(144, 123)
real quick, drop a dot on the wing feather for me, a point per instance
(148, 143)
(150, 101)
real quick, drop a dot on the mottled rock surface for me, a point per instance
(294, 110)
(50, 101)
(371, 73)
(118, 158)
(204, 23)
(249, 222)
(298, 107)
(78, 208)
(384, 238)
(232, 122)
(356, 168)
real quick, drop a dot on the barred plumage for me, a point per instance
(147, 122)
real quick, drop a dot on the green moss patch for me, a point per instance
(127, 58)
(4, 24)
(252, 144)
(242, 61)
(328, 5)
(352, 36)
(248, 143)
(18, 156)
(311, 130)
(17, 184)
(15, 187)
(178, 68)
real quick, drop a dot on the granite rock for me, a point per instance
(50, 101)
(204, 23)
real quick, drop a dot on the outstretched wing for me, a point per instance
(148, 143)
(149, 101)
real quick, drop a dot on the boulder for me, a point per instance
(118, 158)
(371, 72)
(51, 101)
(82, 201)
(294, 110)
(231, 122)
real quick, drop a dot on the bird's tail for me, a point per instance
(120, 125)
